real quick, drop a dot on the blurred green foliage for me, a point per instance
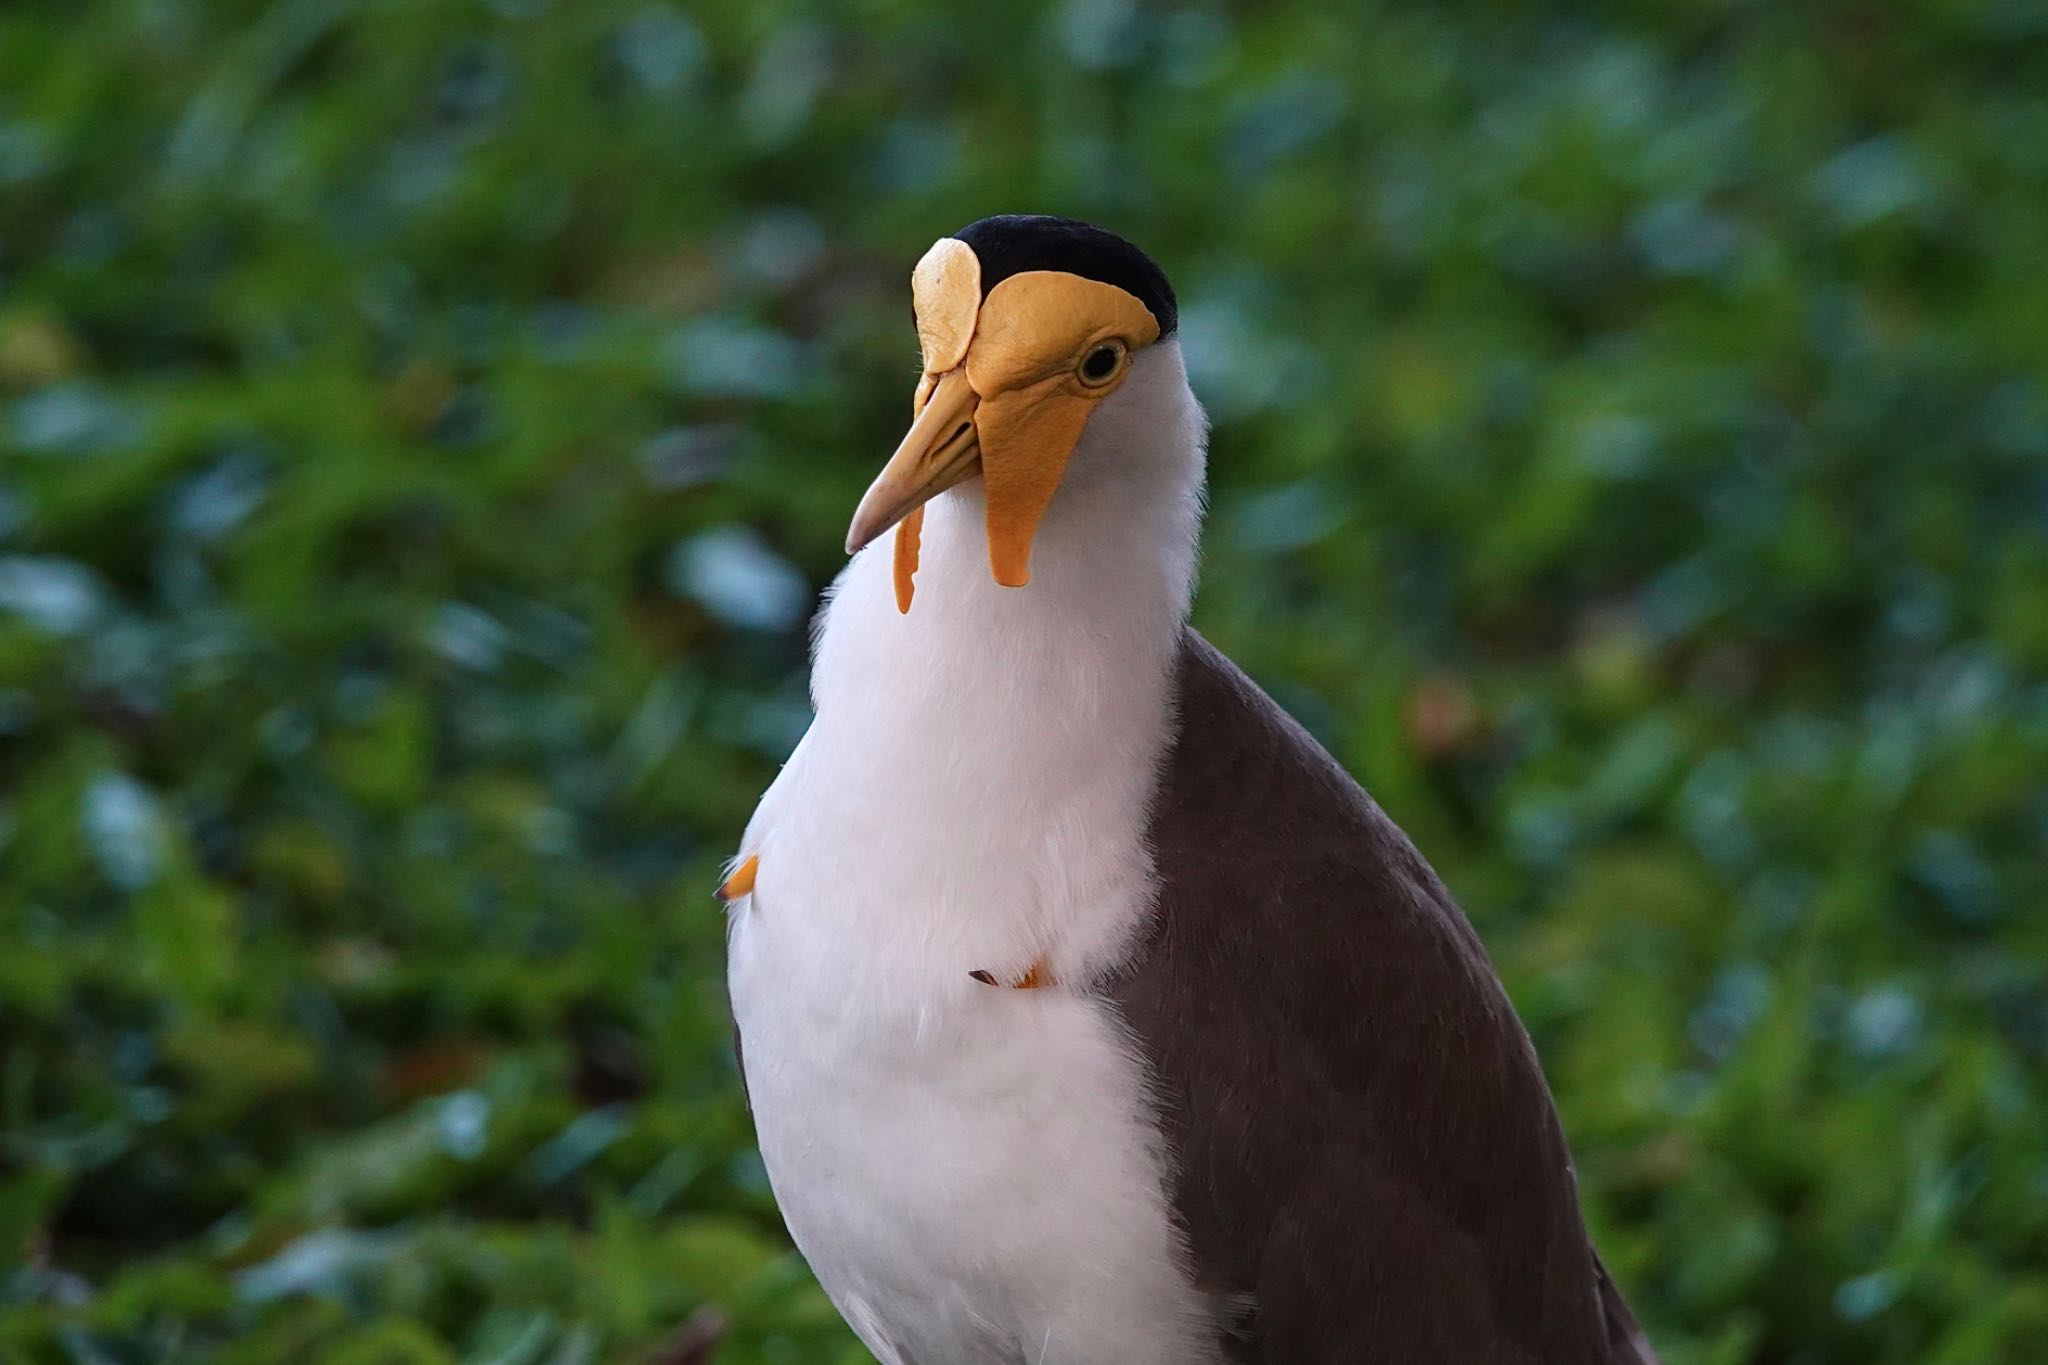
(424, 426)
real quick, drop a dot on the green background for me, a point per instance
(424, 428)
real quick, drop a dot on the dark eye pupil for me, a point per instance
(1099, 363)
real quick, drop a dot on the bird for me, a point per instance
(1087, 1009)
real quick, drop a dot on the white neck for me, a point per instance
(984, 763)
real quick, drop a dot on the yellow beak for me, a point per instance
(940, 450)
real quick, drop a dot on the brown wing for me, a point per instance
(1365, 1148)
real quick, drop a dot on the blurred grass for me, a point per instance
(425, 426)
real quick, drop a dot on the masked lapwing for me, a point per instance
(1091, 1014)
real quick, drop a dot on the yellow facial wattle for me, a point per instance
(1010, 380)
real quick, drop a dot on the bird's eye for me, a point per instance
(1101, 364)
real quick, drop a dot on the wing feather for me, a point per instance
(1364, 1143)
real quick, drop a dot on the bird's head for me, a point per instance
(1028, 326)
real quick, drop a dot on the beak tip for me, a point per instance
(862, 532)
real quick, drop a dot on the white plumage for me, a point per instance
(973, 1171)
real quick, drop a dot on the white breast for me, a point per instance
(974, 1172)
(972, 1181)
